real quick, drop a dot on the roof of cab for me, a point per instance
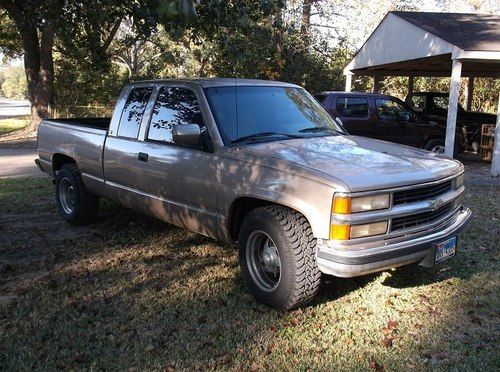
(220, 82)
(342, 93)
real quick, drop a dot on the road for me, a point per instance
(16, 163)
(10, 108)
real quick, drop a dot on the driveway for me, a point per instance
(10, 108)
(16, 163)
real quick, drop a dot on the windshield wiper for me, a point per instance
(263, 134)
(317, 129)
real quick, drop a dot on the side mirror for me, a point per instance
(186, 134)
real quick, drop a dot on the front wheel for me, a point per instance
(435, 145)
(277, 257)
(75, 204)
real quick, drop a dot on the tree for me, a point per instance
(14, 83)
(82, 30)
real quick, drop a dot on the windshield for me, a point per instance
(264, 113)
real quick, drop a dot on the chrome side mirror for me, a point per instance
(186, 134)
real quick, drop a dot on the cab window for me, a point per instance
(174, 106)
(133, 112)
(352, 107)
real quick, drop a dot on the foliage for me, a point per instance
(14, 83)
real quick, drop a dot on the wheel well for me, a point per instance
(58, 160)
(239, 209)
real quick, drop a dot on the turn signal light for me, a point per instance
(341, 204)
(340, 232)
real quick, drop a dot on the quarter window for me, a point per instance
(133, 111)
(352, 107)
(174, 106)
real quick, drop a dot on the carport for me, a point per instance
(452, 45)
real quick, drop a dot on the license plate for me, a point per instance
(446, 249)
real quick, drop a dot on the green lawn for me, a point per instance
(10, 125)
(129, 292)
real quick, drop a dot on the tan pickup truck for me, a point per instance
(262, 164)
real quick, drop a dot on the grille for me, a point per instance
(419, 219)
(421, 193)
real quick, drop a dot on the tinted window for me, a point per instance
(352, 107)
(174, 106)
(392, 109)
(282, 111)
(133, 111)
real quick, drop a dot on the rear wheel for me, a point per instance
(277, 257)
(75, 204)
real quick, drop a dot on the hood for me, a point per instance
(478, 117)
(361, 163)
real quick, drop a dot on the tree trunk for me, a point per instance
(38, 61)
(305, 24)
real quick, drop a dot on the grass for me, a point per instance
(10, 125)
(130, 292)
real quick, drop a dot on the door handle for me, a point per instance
(143, 157)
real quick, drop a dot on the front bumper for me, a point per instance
(411, 248)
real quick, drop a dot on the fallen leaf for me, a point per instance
(392, 324)
(295, 322)
(375, 365)
(254, 367)
(387, 341)
(149, 348)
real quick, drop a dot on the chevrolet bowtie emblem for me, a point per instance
(436, 204)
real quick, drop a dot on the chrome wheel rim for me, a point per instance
(263, 260)
(438, 149)
(67, 195)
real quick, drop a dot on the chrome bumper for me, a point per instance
(411, 248)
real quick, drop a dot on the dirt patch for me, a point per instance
(24, 138)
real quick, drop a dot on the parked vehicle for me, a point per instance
(262, 164)
(434, 106)
(387, 118)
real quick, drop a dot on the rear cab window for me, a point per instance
(133, 111)
(352, 107)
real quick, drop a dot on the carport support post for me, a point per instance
(470, 92)
(495, 160)
(348, 82)
(410, 85)
(451, 122)
(376, 84)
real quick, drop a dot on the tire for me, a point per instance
(75, 204)
(435, 144)
(295, 246)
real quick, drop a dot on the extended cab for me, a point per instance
(261, 164)
(387, 118)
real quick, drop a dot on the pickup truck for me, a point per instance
(388, 118)
(263, 165)
(434, 106)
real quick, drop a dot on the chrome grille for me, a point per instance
(419, 219)
(421, 193)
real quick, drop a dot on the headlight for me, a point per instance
(459, 181)
(347, 204)
(346, 232)
(369, 229)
